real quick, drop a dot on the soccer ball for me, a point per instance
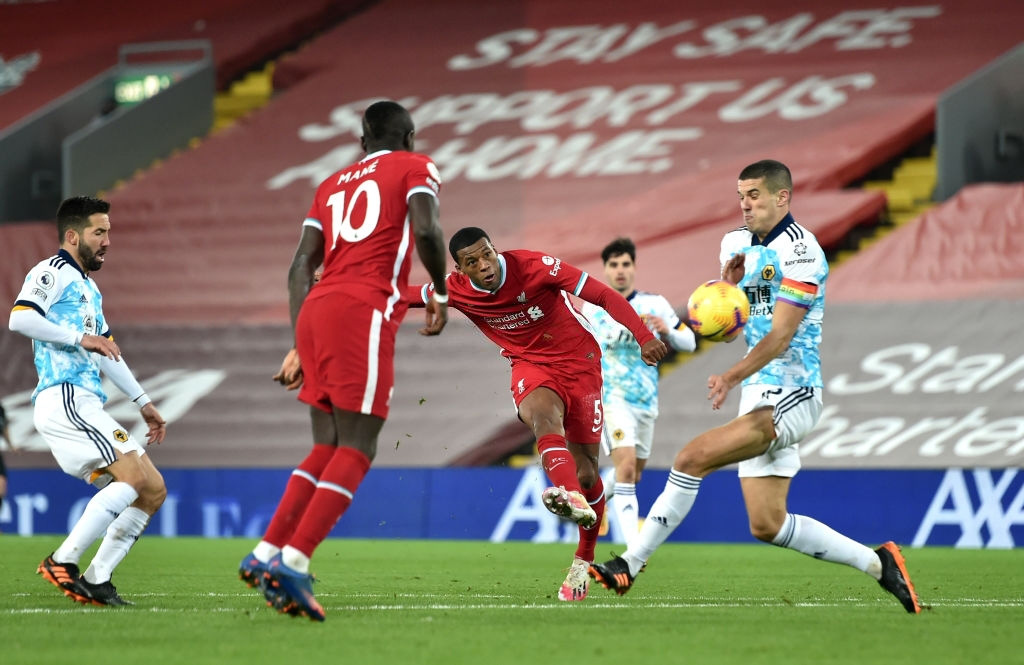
(718, 310)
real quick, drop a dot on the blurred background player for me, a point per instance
(519, 300)
(630, 394)
(783, 270)
(358, 227)
(60, 308)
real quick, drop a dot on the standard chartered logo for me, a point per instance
(924, 405)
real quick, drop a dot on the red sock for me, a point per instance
(297, 493)
(588, 537)
(558, 462)
(334, 492)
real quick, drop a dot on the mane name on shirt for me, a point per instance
(349, 176)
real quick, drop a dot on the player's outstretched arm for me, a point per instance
(652, 349)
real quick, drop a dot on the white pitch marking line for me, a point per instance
(974, 602)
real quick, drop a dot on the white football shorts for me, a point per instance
(627, 425)
(80, 434)
(796, 411)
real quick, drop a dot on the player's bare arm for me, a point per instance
(423, 213)
(308, 257)
(302, 274)
(734, 269)
(157, 425)
(653, 351)
(290, 374)
(436, 318)
(785, 320)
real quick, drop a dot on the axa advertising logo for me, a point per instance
(977, 507)
(13, 72)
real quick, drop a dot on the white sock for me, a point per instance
(813, 538)
(264, 551)
(295, 559)
(102, 509)
(626, 508)
(121, 535)
(668, 512)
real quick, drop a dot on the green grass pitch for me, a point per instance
(456, 603)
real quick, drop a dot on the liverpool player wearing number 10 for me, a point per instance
(362, 224)
(519, 300)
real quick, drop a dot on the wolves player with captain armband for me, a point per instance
(60, 308)
(783, 270)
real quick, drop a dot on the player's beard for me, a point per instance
(90, 260)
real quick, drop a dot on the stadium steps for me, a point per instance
(908, 194)
(243, 96)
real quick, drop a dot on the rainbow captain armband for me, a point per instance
(797, 293)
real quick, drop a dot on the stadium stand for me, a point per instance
(970, 247)
(81, 39)
(554, 131)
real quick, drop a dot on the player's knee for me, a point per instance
(369, 449)
(152, 496)
(689, 461)
(764, 527)
(586, 476)
(762, 534)
(544, 424)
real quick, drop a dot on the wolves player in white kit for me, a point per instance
(783, 270)
(61, 309)
(630, 391)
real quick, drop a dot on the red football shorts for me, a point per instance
(347, 350)
(579, 387)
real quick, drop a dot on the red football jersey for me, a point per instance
(362, 212)
(530, 315)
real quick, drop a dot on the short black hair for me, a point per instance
(74, 213)
(619, 246)
(387, 122)
(776, 174)
(465, 237)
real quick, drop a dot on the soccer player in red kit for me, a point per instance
(519, 300)
(362, 225)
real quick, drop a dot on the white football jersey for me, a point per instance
(789, 266)
(58, 289)
(627, 378)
